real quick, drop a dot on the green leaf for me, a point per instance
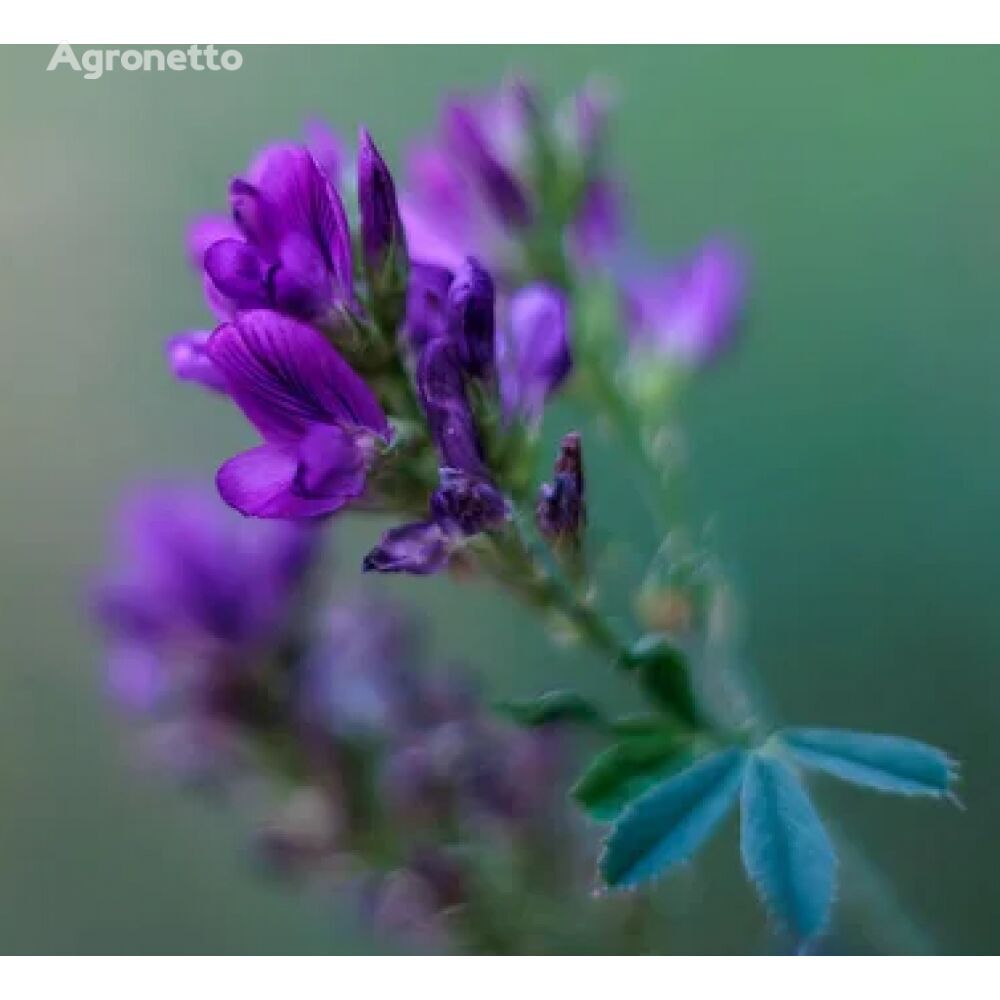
(553, 706)
(626, 769)
(664, 676)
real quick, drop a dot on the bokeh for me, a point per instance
(844, 453)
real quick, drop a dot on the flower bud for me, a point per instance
(383, 240)
(471, 321)
(561, 510)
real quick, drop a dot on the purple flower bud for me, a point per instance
(441, 386)
(383, 241)
(595, 230)
(467, 504)
(561, 510)
(420, 548)
(534, 353)
(426, 304)
(471, 318)
(499, 185)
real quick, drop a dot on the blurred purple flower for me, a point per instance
(465, 195)
(689, 313)
(320, 422)
(362, 677)
(534, 355)
(191, 579)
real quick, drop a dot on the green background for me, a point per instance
(847, 450)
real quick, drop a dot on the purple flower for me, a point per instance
(187, 355)
(471, 323)
(320, 422)
(594, 233)
(383, 241)
(293, 249)
(362, 678)
(468, 131)
(689, 313)
(561, 510)
(534, 355)
(466, 194)
(191, 578)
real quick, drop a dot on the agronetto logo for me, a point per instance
(94, 63)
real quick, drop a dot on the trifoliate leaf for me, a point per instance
(672, 820)
(873, 760)
(626, 769)
(786, 851)
(553, 706)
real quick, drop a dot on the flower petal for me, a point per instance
(205, 230)
(285, 377)
(535, 355)
(262, 483)
(188, 358)
(305, 202)
(301, 283)
(442, 394)
(239, 271)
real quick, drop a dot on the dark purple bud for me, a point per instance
(471, 324)
(420, 548)
(499, 185)
(383, 241)
(467, 504)
(561, 510)
(441, 386)
(427, 303)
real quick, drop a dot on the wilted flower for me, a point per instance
(561, 510)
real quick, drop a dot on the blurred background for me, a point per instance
(845, 451)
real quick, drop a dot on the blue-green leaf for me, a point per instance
(786, 851)
(873, 760)
(672, 820)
